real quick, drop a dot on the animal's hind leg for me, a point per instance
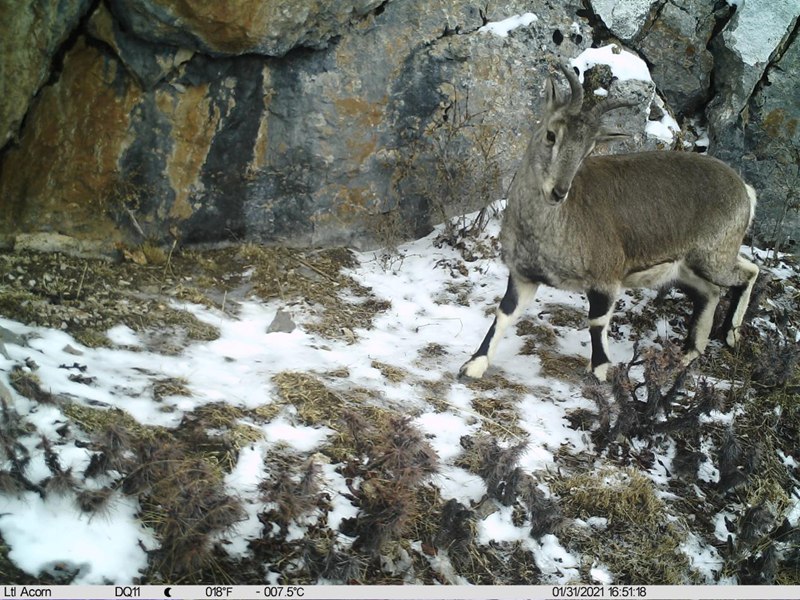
(705, 297)
(740, 299)
(517, 297)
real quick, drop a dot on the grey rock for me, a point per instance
(235, 27)
(6, 335)
(56, 242)
(772, 151)
(70, 349)
(282, 323)
(625, 19)
(742, 53)
(5, 395)
(675, 46)
(30, 35)
(752, 118)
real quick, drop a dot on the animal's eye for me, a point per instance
(551, 137)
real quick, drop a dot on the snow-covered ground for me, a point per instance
(237, 368)
(437, 300)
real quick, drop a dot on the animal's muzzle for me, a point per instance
(558, 194)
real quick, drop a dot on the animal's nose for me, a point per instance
(559, 194)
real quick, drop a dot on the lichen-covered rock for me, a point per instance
(625, 19)
(233, 27)
(358, 122)
(312, 150)
(30, 35)
(742, 53)
(149, 63)
(675, 46)
(773, 150)
(62, 177)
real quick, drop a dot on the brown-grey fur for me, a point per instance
(601, 223)
(627, 213)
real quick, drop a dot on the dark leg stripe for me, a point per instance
(699, 303)
(483, 350)
(511, 298)
(598, 352)
(735, 297)
(599, 304)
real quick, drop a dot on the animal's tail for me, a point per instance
(751, 194)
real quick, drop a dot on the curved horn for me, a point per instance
(575, 87)
(610, 104)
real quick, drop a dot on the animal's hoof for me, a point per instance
(733, 337)
(474, 368)
(601, 371)
(690, 357)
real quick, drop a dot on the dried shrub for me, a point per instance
(392, 460)
(544, 511)
(61, 481)
(452, 167)
(775, 363)
(95, 501)
(293, 485)
(497, 465)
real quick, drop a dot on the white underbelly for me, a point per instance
(654, 277)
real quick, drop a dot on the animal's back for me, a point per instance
(663, 204)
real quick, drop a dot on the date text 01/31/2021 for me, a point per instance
(599, 591)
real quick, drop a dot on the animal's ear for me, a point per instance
(551, 94)
(607, 134)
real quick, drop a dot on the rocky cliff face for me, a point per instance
(325, 122)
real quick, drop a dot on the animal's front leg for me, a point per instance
(601, 306)
(518, 295)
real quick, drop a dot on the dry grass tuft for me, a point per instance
(560, 366)
(390, 372)
(497, 381)
(28, 384)
(639, 543)
(538, 332)
(170, 386)
(564, 315)
(318, 278)
(316, 404)
(500, 415)
(218, 432)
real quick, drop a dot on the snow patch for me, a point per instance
(624, 64)
(506, 26)
(664, 129)
(45, 534)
